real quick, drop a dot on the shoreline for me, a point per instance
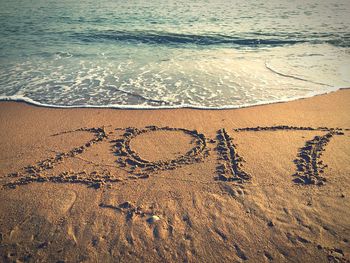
(255, 184)
(29, 101)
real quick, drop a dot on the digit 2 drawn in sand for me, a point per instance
(34, 173)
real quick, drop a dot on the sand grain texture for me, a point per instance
(260, 184)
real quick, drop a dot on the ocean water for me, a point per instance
(155, 54)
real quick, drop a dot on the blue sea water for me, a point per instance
(151, 54)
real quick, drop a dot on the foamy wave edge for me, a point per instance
(20, 98)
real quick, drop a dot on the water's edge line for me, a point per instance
(23, 99)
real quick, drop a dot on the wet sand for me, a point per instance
(259, 184)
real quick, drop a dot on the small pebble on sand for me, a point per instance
(153, 219)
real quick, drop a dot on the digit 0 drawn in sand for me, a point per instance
(142, 168)
(308, 163)
(231, 169)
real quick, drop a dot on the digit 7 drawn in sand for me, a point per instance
(308, 163)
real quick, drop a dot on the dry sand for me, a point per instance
(181, 185)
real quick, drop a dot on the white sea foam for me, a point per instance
(217, 78)
(19, 98)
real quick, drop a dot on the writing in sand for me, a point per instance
(309, 166)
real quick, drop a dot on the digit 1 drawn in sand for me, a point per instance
(36, 172)
(142, 168)
(230, 170)
(308, 163)
(309, 166)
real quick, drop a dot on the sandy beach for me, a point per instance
(260, 184)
